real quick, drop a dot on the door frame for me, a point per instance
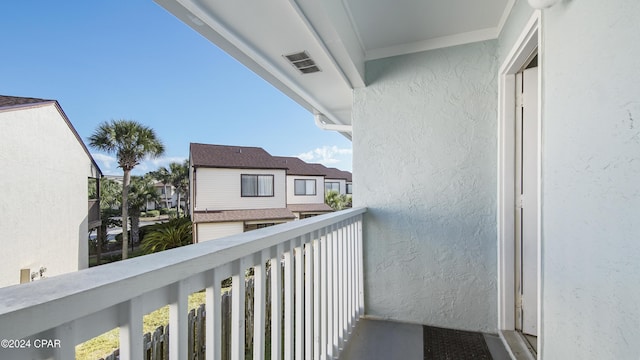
(529, 41)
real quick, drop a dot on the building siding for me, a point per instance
(220, 189)
(212, 231)
(292, 198)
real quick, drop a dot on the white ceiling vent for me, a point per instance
(303, 62)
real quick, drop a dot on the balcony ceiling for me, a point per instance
(339, 35)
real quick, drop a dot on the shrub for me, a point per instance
(164, 211)
(169, 235)
(153, 213)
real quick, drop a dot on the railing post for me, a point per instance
(308, 297)
(213, 309)
(131, 329)
(259, 301)
(323, 294)
(299, 264)
(360, 267)
(276, 304)
(288, 302)
(178, 321)
(317, 278)
(237, 310)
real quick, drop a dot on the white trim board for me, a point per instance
(528, 41)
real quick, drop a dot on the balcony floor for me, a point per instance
(374, 339)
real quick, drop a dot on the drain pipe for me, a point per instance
(321, 122)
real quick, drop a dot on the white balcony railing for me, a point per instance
(322, 283)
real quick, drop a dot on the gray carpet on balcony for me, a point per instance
(447, 344)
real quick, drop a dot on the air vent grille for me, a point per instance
(303, 62)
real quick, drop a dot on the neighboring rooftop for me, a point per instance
(240, 157)
(332, 173)
(243, 215)
(9, 101)
(296, 166)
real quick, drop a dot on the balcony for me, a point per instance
(319, 295)
(94, 213)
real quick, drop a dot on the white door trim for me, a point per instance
(528, 41)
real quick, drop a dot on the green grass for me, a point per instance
(106, 343)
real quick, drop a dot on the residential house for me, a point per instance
(305, 188)
(495, 151)
(235, 189)
(168, 196)
(46, 211)
(335, 180)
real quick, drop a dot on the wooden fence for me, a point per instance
(156, 345)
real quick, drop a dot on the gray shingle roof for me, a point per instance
(243, 215)
(309, 207)
(238, 157)
(8, 101)
(296, 166)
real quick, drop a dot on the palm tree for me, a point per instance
(110, 201)
(178, 176)
(175, 233)
(337, 201)
(141, 191)
(131, 142)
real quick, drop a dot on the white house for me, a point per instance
(46, 215)
(305, 188)
(235, 189)
(427, 92)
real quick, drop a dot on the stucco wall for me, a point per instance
(429, 122)
(591, 177)
(43, 209)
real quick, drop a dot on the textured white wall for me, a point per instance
(43, 210)
(425, 164)
(591, 177)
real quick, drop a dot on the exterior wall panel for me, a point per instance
(44, 205)
(429, 122)
(212, 231)
(292, 198)
(220, 189)
(591, 186)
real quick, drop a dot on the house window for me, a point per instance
(349, 188)
(304, 187)
(256, 185)
(332, 186)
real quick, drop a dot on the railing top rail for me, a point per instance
(45, 304)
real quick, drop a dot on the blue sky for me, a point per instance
(131, 59)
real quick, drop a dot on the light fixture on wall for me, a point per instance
(542, 4)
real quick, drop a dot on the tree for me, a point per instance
(141, 191)
(178, 176)
(337, 201)
(172, 234)
(110, 192)
(131, 142)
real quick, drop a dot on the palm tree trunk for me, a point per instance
(135, 230)
(125, 213)
(178, 207)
